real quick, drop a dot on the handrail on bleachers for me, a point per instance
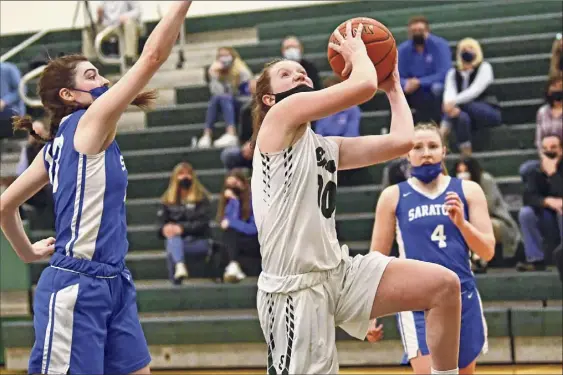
(23, 45)
(23, 84)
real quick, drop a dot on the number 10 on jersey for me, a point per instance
(326, 197)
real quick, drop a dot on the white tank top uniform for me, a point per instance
(309, 283)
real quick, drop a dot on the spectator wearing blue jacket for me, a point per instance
(10, 102)
(345, 123)
(424, 61)
(240, 235)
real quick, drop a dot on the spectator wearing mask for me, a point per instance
(241, 157)
(184, 217)
(505, 228)
(342, 124)
(556, 63)
(292, 49)
(229, 78)
(11, 104)
(240, 236)
(468, 99)
(541, 215)
(424, 60)
(549, 120)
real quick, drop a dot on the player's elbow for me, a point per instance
(489, 252)
(152, 57)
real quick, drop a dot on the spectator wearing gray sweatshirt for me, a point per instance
(469, 102)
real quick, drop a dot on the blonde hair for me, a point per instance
(196, 193)
(434, 128)
(239, 67)
(555, 57)
(475, 46)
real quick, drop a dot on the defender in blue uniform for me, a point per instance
(85, 312)
(435, 217)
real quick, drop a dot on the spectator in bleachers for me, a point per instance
(11, 104)
(505, 228)
(549, 120)
(342, 124)
(469, 102)
(424, 60)
(125, 14)
(556, 63)
(40, 205)
(241, 157)
(395, 171)
(541, 214)
(229, 78)
(240, 236)
(184, 217)
(292, 49)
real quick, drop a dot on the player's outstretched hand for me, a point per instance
(348, 45)
(454, 205)
(43, 248)
(375, 332)
(393, 82)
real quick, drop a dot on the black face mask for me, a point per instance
(301, 88)
(555, 96)
(418, 39)
(550, 154)
(236, 190)
(185, 183)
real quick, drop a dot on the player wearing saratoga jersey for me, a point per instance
(85, 313)
(437, 219)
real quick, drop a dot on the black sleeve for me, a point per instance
(534, 189)
(198, 222)
(163, 218)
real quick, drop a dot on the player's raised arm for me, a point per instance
(96, 128)
(360, 87)
(357, 152)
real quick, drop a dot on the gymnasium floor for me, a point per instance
(485, 369)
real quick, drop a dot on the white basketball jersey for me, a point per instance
(294, 201)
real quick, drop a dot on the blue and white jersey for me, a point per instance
(426, 233)
(89, 193)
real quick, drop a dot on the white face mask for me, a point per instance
(464, 175)
(227, 61)
(293, 54)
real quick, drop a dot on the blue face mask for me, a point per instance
(467, 56)
(97, 92)
(427, 172)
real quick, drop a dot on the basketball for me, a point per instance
(380, 46)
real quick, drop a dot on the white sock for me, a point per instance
(455, 371)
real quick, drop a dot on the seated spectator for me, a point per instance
(395, 171)
(11, 104)
(39, 208)
(549, 120)
(241, 157)
(468, 99)
(240, 236)
(424, 60)
(184, 217)
(556, 63)
(342, 124)
(292, 49)
(505, 228)
(541, 215)
(124, 14)
(229, 78)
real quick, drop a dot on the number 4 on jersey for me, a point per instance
(438, 235)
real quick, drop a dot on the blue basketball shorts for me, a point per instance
(473, 335)
(86, 320)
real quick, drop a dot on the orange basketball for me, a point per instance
(380, 46)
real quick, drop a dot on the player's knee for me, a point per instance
(450, 287)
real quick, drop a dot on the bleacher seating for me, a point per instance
(516, 37)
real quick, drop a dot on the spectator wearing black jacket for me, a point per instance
(541, 215)
(184, 218)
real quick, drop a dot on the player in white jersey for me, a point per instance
(309, 283)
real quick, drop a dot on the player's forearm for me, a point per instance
(363, 70)
(402, 124)
(480, 243)
(13, 230)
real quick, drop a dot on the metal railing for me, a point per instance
(108, 60)
(23, 85)
(23, 45)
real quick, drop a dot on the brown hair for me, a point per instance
(240, 175)
(553, 80)
(433, 127)
(556, 51)
(196, 193)
(58, 74)
(417, 19)
(259, 109)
